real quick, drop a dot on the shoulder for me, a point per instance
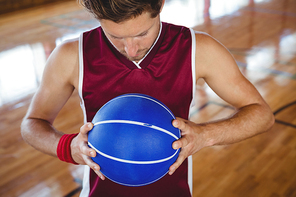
(210, 54)
(207, 44)
(68, 48)
(64, 61)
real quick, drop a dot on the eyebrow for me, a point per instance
(140, 34)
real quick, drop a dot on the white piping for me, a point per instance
(81, 73)
(137, 123)
(130, 161)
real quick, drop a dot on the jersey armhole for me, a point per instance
(193, 48)
(81, 75)
(86, 187)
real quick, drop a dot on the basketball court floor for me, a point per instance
(261, 35)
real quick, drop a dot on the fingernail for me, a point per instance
(175, 123)
(172, 170)
(175, 146)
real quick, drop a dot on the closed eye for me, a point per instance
(114, 37)
(143, 34)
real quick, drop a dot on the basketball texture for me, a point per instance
(133, 136)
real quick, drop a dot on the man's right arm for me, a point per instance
(59, 80)
(55, 89)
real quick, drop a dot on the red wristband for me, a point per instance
(64, 148)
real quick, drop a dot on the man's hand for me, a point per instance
(191, 141)
(81, 152)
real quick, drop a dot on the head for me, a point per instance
(131, 25)
(122, 10)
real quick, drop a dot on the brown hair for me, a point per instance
(121, 10)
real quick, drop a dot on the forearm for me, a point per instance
(41, 135)
(248, 121)
(245, 123)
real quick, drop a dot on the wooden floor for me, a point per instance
(261, 35)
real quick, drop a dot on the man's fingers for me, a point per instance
(87, 154)
(99, 173)
(178, 162)
(184, 153)
(88, 151)
(96, 168)
(180, 143)
(181, 124)
(86, 128)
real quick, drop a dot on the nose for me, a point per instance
(130, 47)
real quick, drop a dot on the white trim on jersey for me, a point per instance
(138, 63)
(80, 83)
(86, 187)
(193, 48)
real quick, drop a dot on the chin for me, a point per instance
(136, 59)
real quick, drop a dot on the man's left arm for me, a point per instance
(253, 115)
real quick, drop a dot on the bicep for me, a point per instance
(56, 86)
(48, 101)
(221, 73)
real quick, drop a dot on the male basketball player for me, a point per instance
(133, 52)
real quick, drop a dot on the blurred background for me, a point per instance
(260, 34)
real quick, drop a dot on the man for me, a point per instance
(133, 52)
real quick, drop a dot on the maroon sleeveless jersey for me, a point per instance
(165, 73)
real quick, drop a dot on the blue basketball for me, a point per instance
(133, 136)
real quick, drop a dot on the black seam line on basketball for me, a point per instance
(285, 123)
(73, 192)
(133, 162)
(284, 107)
(137, 123)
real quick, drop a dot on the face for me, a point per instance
(134, 37)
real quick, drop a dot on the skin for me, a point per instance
(133, 38)
(133, 41)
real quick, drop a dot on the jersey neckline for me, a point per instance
(145, 61)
